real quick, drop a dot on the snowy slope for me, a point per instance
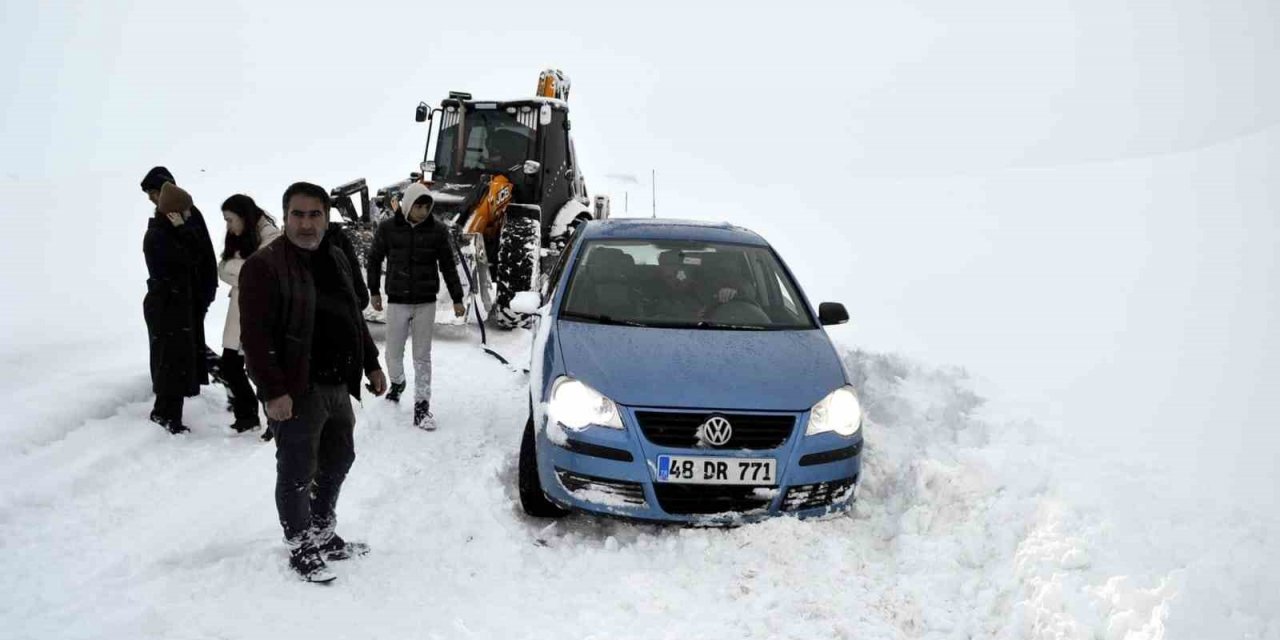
(968, 526)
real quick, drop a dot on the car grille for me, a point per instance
(692, 499)
(750, 431)
(809, 496)
(602, 490)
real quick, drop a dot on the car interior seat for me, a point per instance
(609, 288)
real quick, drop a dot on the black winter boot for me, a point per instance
(338, 549)
(172, 426)
(306, 561)
(422, 417)
(242, 425)
(397, 388)
(167, 413)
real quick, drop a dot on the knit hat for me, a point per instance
(156, 177)
(173, 199)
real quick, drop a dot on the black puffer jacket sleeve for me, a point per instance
(377, 253)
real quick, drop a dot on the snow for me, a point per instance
(967, 525)
(555, 432)
(1090, 223)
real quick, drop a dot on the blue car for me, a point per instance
(678, 374)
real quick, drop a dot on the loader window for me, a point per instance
(495, 141)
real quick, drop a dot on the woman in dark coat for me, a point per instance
(172, 307)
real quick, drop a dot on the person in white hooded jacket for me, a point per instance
(249, 228)
(416, 249)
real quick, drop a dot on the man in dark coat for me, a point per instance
(305, 345)
(180, 266)
(341, 242)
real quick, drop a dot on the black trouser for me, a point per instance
(211, 363)
(168, 407)
(314, 451)
(239, 391)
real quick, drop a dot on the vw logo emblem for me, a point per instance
(716, 431)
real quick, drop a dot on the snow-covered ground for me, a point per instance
(1075, 200)
(968, 525)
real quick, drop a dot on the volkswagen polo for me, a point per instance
(679, 374)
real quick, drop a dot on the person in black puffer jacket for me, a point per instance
(416, 248)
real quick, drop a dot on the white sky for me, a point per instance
(1076, 201)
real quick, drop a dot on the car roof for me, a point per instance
(668, 229)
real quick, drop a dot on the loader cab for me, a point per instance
(528, 141)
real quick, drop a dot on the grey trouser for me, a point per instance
(420, 321)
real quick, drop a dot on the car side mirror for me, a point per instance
(526, 302)
(422, 113)
(830, 313)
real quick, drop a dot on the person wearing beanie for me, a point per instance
(171, 307)
(417, 250)
(179, 259)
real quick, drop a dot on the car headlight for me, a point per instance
(575, 405)
(839, 412)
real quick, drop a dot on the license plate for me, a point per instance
(701, 470)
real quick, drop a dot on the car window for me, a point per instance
(557, 271)
(684, 284)
(788, 302)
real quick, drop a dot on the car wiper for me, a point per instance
(706, 324)
(601, 319)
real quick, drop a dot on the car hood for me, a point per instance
(702, 368)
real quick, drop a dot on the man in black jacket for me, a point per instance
(182, 282)
(305, 345)
(416, 248)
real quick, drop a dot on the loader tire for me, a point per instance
(519, 249)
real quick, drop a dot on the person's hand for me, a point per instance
(175, 218)
(459, 309)
(377, 302)
(377, 382)
(726, 294)
(280, 409)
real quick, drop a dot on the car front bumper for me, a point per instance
(615, 472)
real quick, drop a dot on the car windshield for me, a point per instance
(495, 142)
(683, 284)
